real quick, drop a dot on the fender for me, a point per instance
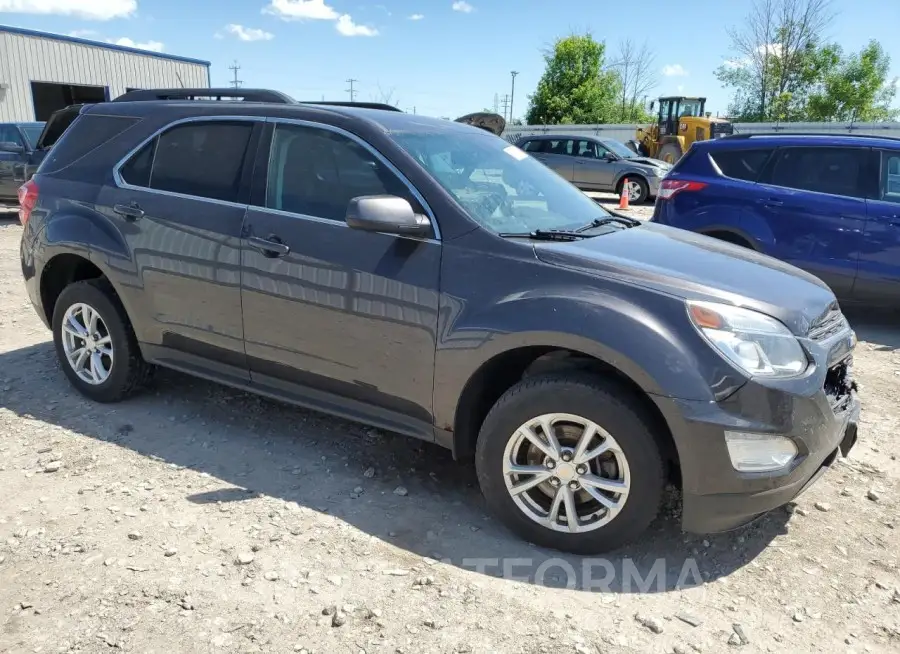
(731, 229)
(657, 350)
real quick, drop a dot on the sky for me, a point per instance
(436, 57)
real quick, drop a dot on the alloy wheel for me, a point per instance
(87, 344)
(566, 473)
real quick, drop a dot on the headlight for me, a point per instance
(753, 341)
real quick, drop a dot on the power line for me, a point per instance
(351, 90)
(512, 96)
(236, 83)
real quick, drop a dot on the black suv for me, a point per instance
(428, 278)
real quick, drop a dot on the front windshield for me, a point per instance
(690, 108)
(33, 133)
(620, 149)
(500, 186)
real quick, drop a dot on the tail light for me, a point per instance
(671, 187)
(28, 197)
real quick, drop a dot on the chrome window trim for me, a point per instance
(359, 141)
(122, 184)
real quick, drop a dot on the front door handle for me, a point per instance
(131, 211)
(270, 247)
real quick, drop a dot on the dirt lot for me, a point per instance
(195, 518)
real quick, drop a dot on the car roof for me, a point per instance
(749, 141)
(387, 121)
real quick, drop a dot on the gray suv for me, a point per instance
(429, 278)
(597, 164)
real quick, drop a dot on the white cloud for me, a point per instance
(347, 27)
(463, 6)
(88, 9)
(736, 63)
(674, 70)
(681, 88)
(300, 10)
(248, 33)
(80, 34)
(417, 17)
(153, 46)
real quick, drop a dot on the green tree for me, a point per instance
(575, 87)
(856, 89)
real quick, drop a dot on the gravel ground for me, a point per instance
(195, 518)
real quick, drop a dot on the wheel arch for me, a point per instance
(502, 371)
(732, 235)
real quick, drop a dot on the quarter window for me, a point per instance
(316, 172)
(533, 146)
(837, 171)
(200, 159)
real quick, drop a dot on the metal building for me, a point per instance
(42, 72)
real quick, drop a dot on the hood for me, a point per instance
(494, 123)
(647, 161)
(691, 266)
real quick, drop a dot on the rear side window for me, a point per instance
(560, 146)
(836, 171)
(79, 135)
(741, 164)
(890, 172)
(201, 159)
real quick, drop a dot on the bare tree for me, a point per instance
(772, 42)
(385, 96)
(636, 67)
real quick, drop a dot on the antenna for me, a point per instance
(236, 83)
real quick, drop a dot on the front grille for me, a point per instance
(831, 323)
(839, 385)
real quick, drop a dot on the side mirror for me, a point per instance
(610, 156)
(8, 146)
(386, 213)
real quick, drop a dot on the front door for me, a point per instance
(180, 201)
(812, 200)
(10, 161)
(332, 315)
(878, 281)
(592, 169)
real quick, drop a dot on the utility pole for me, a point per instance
(236, 83)
(512, 95)
(505, 103)
(496, 103)
(351, 90)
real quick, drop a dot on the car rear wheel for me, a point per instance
(568, 462)
(94, 342)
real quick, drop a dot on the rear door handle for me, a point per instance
(270, 247)
(131, 211)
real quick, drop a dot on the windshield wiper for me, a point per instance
(600, 222)
(546, 235)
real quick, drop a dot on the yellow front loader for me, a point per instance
(680, 122)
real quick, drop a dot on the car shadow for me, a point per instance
(881, 328)
(405, 492)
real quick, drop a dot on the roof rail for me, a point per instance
(816, 134)
(361, 105)
(246, 95)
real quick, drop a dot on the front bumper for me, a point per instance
(719, 498)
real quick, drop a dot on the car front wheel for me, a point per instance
(567, 462)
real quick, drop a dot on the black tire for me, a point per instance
(595, 399)
(645, 189)
(670, 153)
(129, 371)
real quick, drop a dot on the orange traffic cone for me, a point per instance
(623, 199)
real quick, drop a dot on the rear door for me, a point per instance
(878, 281)
(334, 315)
(179, 201)
(556, 154)
(813, 202)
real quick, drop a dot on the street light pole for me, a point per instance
(512, 95)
